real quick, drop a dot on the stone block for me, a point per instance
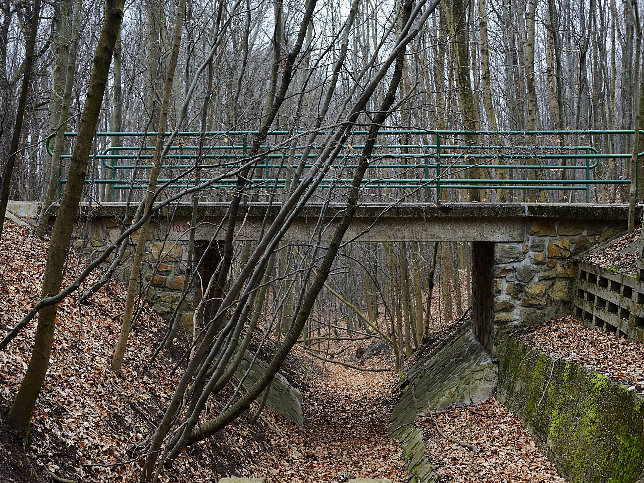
(525, 272)
(507, 253)
(536, 289)
(539, 258)
(175, 282)
(570, 228)
(163, 309)
(170, 298)
(560, 290)
(514, 290)
(543, 228)
(503, 306)
(502, 272)
(538, 244)
(548, 274)
(164, 268)
(566, 270)
(179, 267)
(559, 248)
(534, 295)
(158, 279)
(161, 251)
(504, 317)
(533, 302)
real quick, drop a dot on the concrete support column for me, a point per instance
(483, 292)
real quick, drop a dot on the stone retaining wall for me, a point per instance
(534, 279)
(457, 372)
(590, 427)
(163, 270)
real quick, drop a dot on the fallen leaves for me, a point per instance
(89, 423)
(619, 254)
(603, 352)
(504, 450)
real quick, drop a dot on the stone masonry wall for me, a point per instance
(534, 279)
(164, 269)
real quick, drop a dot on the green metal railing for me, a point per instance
(412, 160)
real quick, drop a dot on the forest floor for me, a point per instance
(89, 424)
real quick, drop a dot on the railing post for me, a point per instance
(426, 174)
(438, 168)
(637, 176)
(587, 177)
(112, 175)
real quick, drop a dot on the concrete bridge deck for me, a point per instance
(375, 222)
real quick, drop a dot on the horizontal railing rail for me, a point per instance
(418, 160)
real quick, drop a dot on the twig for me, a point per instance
(545, 389)
(470, 446)
(122, 463)
(60, 479)
(345, 364)
(478, 413)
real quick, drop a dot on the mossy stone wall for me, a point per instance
(590, 427)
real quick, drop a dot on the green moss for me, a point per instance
(590, 419)
(591, 428)
(629, 458)
(557, 426)
(566, 372)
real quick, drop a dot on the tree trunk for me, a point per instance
(460, 54)
(60, 103)
(20, 113)
(23, 404)
(144, 232)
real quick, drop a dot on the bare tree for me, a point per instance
(30, 48)
(23, 404)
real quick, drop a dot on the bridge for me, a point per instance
(523, 252)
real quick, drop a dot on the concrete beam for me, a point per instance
(373, 222)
